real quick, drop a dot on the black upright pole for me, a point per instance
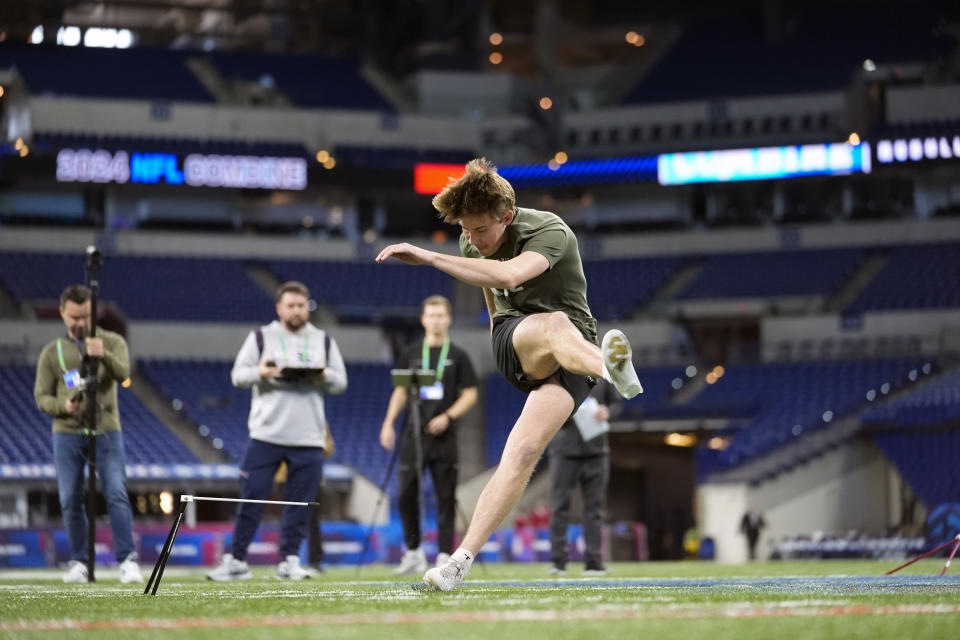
(91, 377)
(415, 430)
(376, 509)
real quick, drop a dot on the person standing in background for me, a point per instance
(580, 455)
(441, 405)
(289, 364)
(57, 393)
(750, 525)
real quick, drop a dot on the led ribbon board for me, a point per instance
(764, 163)
(917, 149)
(198, 170)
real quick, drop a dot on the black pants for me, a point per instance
(592, 474)
(444, 474)
(315, 533)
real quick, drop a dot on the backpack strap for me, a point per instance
(259, 336)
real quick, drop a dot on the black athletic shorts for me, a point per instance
(508, 363)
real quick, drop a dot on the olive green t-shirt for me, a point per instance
(562, 287)
(50, 389)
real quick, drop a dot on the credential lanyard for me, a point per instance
(425, 357)
(63, 364)
(302, 356)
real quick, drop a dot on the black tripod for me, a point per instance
(90, 387)
(412, 380)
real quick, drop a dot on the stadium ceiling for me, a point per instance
(399, 36)
(332, 26)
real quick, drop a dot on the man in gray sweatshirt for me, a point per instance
(289, 364)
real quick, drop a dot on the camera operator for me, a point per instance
(58, 391)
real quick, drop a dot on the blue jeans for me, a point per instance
(260, 464)
(69, 459)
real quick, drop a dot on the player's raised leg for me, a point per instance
(545, 341)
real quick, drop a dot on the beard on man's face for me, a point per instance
(294, 323)
(78, 333)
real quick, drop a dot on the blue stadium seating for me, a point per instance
(503, 404)
(658, 388)
(767, 274)
(927, 462)
(202, 391)
(723, 57)
(366, 289)
(915, 277)
(618, 287)
(105, 73)
(206, 396)
(148, 288)
(933, 404)
(924, 276)
(308, 80)
(25, 434)
(781, 402)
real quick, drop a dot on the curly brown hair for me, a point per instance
(481, 190)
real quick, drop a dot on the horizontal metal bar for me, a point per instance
(186, 498)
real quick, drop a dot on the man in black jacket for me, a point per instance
(580, 454)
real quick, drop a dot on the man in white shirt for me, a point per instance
(289, 364)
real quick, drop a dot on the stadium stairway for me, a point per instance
(158, 404)
(857, 282)
(8, 308)
(207, 75)
(674, 285)
(264, 277)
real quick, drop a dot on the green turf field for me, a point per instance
(824, 599)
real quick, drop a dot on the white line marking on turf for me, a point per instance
(529, 615)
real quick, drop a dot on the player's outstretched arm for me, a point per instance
(491, 274)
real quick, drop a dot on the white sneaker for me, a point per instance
(414, 561)
(557, 570)
(448, 577)
(442, 559)
(230, 569)
(618, 364)
(130, 570)
(595, 569)
(76, 572)
(290, 569)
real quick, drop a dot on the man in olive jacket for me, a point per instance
(57, 393)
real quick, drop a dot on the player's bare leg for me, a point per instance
(545, 411)
(546, 341)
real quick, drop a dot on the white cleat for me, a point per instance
(290, 569)
(413, 562)
(618, 364)
(77, 572)
(442, 559)
(448, 577)
(130, 570)
(230, 569)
